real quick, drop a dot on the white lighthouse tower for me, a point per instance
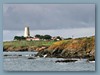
(26, 32)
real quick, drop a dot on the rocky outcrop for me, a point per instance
(73, 48)
(65, 61)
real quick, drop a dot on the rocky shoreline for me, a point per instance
(73, 48)
(62, 54)
(77, 48)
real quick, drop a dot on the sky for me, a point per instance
(69, 33)
(51, 18)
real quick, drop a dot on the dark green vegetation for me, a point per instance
(41, 37)
(19, 38)
(46, 37)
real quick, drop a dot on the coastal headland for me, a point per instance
(70, 48)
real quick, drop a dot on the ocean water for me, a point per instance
(18, 61)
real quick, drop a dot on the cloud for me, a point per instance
(48, 16)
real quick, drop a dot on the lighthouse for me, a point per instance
(26, 32)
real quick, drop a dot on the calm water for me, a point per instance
(22, 63)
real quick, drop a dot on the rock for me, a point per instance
(41, 53)
(56, 53)
(91, 58)
(65, 61)
(31, 58)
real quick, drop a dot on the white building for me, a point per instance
(32, 39)
(26, 32)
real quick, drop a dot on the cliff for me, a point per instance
(72, 48)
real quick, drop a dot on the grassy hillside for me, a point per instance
(86, 43)
(71, 48)
(25, 45)
(79, 47)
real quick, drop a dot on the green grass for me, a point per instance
(27, 43)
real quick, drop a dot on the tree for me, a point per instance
(41, 37)
(47, 37)
(37, 36)
(19, 38)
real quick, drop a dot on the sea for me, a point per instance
(26, 61)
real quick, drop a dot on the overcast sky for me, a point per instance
(48, 16)
(65, 20)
